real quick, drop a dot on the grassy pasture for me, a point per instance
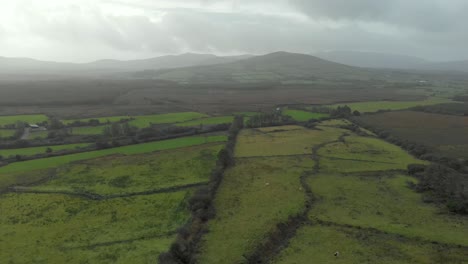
(39, 150)
(335, 122)
(254, 196)
(6, 133)
(303, 116)
(38, 134)
(317, 244)
(102, 120)
(370, 150)
(208, 121)
(290, 140)
(384, 203)
(60, 229)
(374, 106)
(147, 120)
(136, 173)
(30, 119)
(439, 131)
(87, 130)
(18, 172)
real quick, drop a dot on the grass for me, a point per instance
(102, 120)
(38, 134)
(208, 121)
(46, 163)
(365, 151)
(39, 150)
(60, 229)
(303, 116)
(6, 133)
(374, 106)
(335, 122)
(289, 140)
(387, 204)
(30, 119)
(254, 196)
(147, 120)
(247, 114)
(136, 173)
(87, 130)
(317, 244)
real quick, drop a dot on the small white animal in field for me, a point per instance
(267, 184)
(336, 254)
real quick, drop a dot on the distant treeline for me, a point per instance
(184, 249)
(459, 109)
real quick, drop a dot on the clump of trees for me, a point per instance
(269, 119)
(459, 109)
(183, 250)
(119, 130)
(442, 184)
(343, 112)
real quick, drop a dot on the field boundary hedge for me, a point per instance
(184, 250)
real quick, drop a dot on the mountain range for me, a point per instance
(277, 66)
(391, 61)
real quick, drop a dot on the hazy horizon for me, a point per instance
(85, 31)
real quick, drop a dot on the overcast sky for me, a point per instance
(86, 30)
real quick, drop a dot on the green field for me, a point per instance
(374, 106)
(147, 120)
(39, 134)
(102, 120)
(40, 150)
(356, 152)
(286, 140)
(47, 228)
(208, 121)
(386, 204)
(254, 195)
(261, 190)
(136, 173)
(87, 130)
(317, 244)
(18, 172)
(6, 133)
(30, 119)
(303, 116)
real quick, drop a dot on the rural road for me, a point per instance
(26, 133)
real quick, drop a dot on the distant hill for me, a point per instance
(391, 61)
(372, 59)
(31, 66)
(450, 66)
(273, 67)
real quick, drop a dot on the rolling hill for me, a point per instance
(391, 61)
(372, 59)
(27, 66)
(273, 67)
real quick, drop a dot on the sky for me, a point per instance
(87, 30)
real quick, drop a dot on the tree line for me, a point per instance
(184, 249)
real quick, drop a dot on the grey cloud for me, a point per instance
(428, 15)
(430, 28)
